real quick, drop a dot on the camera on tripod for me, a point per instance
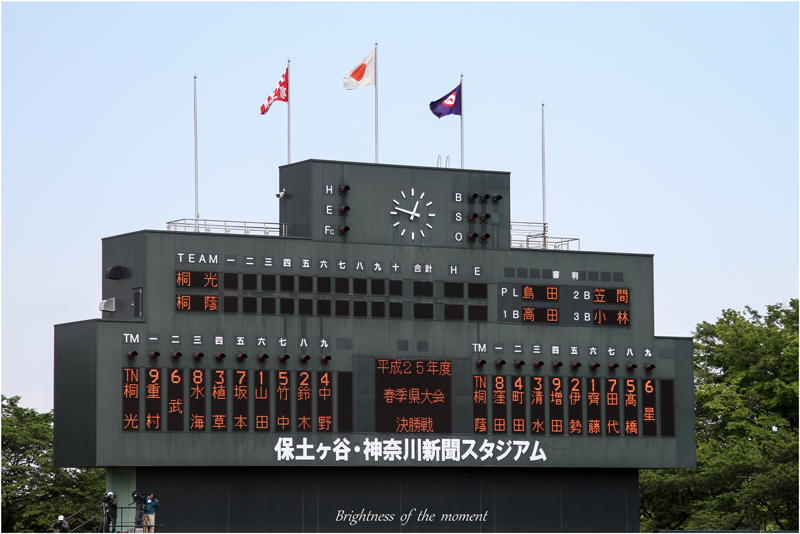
(139, 497)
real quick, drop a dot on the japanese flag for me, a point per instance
(363, 74)
(280, 93)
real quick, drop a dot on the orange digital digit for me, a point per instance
(648, 386)
(612, 398)
(175, 376)
(303, 402)
(575, 392)
(324, 391)
(242, 375)
(218, 391)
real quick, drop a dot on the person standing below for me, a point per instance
(150, 507)
(60, 525)
(110, 505)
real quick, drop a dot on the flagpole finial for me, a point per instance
(289, 60)
(376, 43)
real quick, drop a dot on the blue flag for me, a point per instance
(449, 104)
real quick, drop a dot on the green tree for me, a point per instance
(746, 407)
(35, 492)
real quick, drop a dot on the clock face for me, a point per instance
(412, 215)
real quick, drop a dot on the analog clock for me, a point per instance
(412, 214)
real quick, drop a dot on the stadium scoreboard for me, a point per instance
(391, 323)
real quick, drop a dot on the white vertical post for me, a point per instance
(544, 194)
(376, 101)
(289, 115)
(196, 211)
(461, 96)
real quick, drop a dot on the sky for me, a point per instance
(671, 129)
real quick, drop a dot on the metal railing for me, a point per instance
(534, 235)
(126, 521)
(523, 234)
(97, 516)
(227, 227)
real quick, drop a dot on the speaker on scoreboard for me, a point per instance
(113, 273)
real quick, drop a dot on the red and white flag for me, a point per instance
(363, 75)
(280, 93)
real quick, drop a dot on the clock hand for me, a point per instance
(413, 212)
(405, 211)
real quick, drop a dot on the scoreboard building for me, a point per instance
(393, 355)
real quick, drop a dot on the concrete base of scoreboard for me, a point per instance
(382, 499)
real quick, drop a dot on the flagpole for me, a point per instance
(196, 212)
(544, 196)
(462, 119)
(289, 116)
(376, 101)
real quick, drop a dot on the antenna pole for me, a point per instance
(544, 193)
(288, 116)
(462, 119)
(376, 101)
(196, 211)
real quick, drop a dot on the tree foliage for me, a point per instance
(35, 492)
(746, 408)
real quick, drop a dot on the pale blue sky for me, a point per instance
(672, 129)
